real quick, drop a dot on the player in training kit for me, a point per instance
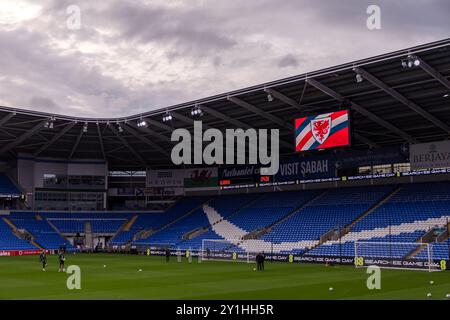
(62, 259)
(43, 259)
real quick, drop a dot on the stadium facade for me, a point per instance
(364, 165)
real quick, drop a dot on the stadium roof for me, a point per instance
(392, 105)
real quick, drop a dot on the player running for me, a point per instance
(62, 259)
(43, 259)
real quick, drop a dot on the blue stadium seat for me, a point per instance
(43, 233)
(336, 208)
(9, 241)
(7, 187)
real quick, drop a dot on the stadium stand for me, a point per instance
(229, 208)
(173, 234)
(285, 222)
(258, 215)
(7, 187)
(101, 222)
(333, 209)
(101, 172)
(43, 233)
(408, 215)
(440, 252)
(154, 221)
(69, 226)
(269, 209)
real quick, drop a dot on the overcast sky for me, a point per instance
(134, 56)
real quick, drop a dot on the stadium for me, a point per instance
(363, 181)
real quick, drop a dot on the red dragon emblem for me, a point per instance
(320, 129)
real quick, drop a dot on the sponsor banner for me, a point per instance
(306, 169)
(10, 196)
(164, 191)
(326, 259)
(245, 176)
(399, 263)
(139, 192)
(239, 186)
(370, 176)
(126, 192)
(430, 155)
(292, 258)
(290, 172)
(350, 159)
(275, 184)
(329, 130)
(186, 178)
(248, 171)
(320, 180)
(425, 172)
(8, 253)
(165, 178)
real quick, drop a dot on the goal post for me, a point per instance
(396, 255)
(224, 250)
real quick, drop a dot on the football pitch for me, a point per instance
(111, 276)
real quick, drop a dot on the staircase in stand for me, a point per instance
(22, 233)
(293, 212)
(179, 218)
(127, 226)
(416, 251)
(373, 208)
(56, 230)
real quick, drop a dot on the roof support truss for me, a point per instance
(287, 100)
(100, 139)
(139, 136)
(365, 140)
(6, 118)
(187, 120)
(148, 130)
(158, 124)
(261, 113)
(54, 138)
(237, 123)
(434, 73)
(77, 142)
(129, 147)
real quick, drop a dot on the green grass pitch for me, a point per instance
(22, 278)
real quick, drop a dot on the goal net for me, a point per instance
(396, 255)
(224, 250)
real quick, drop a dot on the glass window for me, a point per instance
(365, 170)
